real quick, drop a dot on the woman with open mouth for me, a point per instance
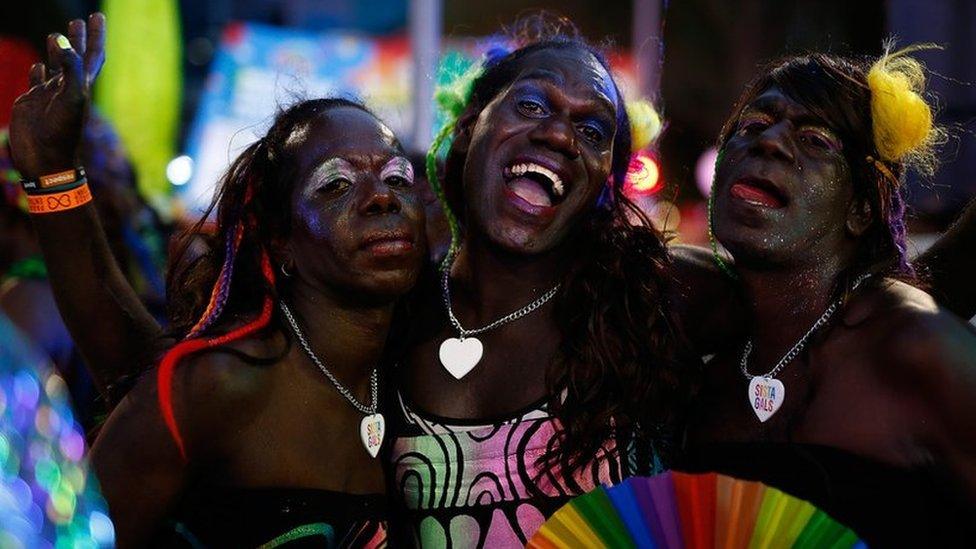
(853, 389)
(557, 348)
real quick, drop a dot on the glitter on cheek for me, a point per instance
(312, 212)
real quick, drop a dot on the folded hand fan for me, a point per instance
(677, 510)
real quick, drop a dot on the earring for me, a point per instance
(285, 271)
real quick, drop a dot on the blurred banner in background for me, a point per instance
(259, 68)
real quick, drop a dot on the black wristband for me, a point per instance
(55, 183)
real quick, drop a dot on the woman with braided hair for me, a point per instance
(867, 408)
(262, 424)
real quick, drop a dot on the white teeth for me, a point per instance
(522, 169)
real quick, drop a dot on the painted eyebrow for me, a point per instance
(397, 165)
(775, 106)
(554, 78)
(333, 166)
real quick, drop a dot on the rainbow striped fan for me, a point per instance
(677, 510)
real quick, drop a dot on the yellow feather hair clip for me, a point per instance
(902, 120)
(645, 123)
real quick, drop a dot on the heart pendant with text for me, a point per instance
(459, 356)
(766, 395)
(371, 430)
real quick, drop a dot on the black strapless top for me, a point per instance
(276, 517)
(887, 506)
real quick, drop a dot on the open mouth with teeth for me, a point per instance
(535, 184)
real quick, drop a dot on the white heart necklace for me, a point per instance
(459, 355)
(766, 393)
(373, 425)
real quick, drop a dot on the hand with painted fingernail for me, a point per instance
(46, 122)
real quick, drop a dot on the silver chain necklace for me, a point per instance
(459, 355)
(372, 426)
(766, 393)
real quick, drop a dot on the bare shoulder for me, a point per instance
(694, 260)
(921, 347)
(228, 380)
(705, 300)
(231, 375)
(214, 393)
(916, 326)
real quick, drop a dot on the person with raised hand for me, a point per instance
(45, 139)
(582, 314)
(262, 425)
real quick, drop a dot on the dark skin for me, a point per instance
(509, 257)
(560, 110)
(46, 129)
(256, 425)
(895, 381)
(31, 304)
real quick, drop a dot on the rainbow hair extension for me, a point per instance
(896, 223)
(193, 343)
(218, 297)
(167, 367)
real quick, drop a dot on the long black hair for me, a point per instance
(619, 373)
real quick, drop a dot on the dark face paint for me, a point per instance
(357, 224)
(560, 114)
(783, 188)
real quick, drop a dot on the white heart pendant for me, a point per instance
(766, 395)
(459, 356)
(371, 431)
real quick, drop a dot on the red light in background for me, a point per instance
(644, 174)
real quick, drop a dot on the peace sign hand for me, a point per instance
(46, 122)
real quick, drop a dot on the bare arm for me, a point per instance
(112, 329)
(933, 362)
(951, 265)
(138, 466)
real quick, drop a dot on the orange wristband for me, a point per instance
(59, 202)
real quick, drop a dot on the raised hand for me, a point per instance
(46, 122)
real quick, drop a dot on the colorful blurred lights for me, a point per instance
(643, 174)
(101, 528)
(705, 170)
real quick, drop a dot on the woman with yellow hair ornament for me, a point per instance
(852, 389)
